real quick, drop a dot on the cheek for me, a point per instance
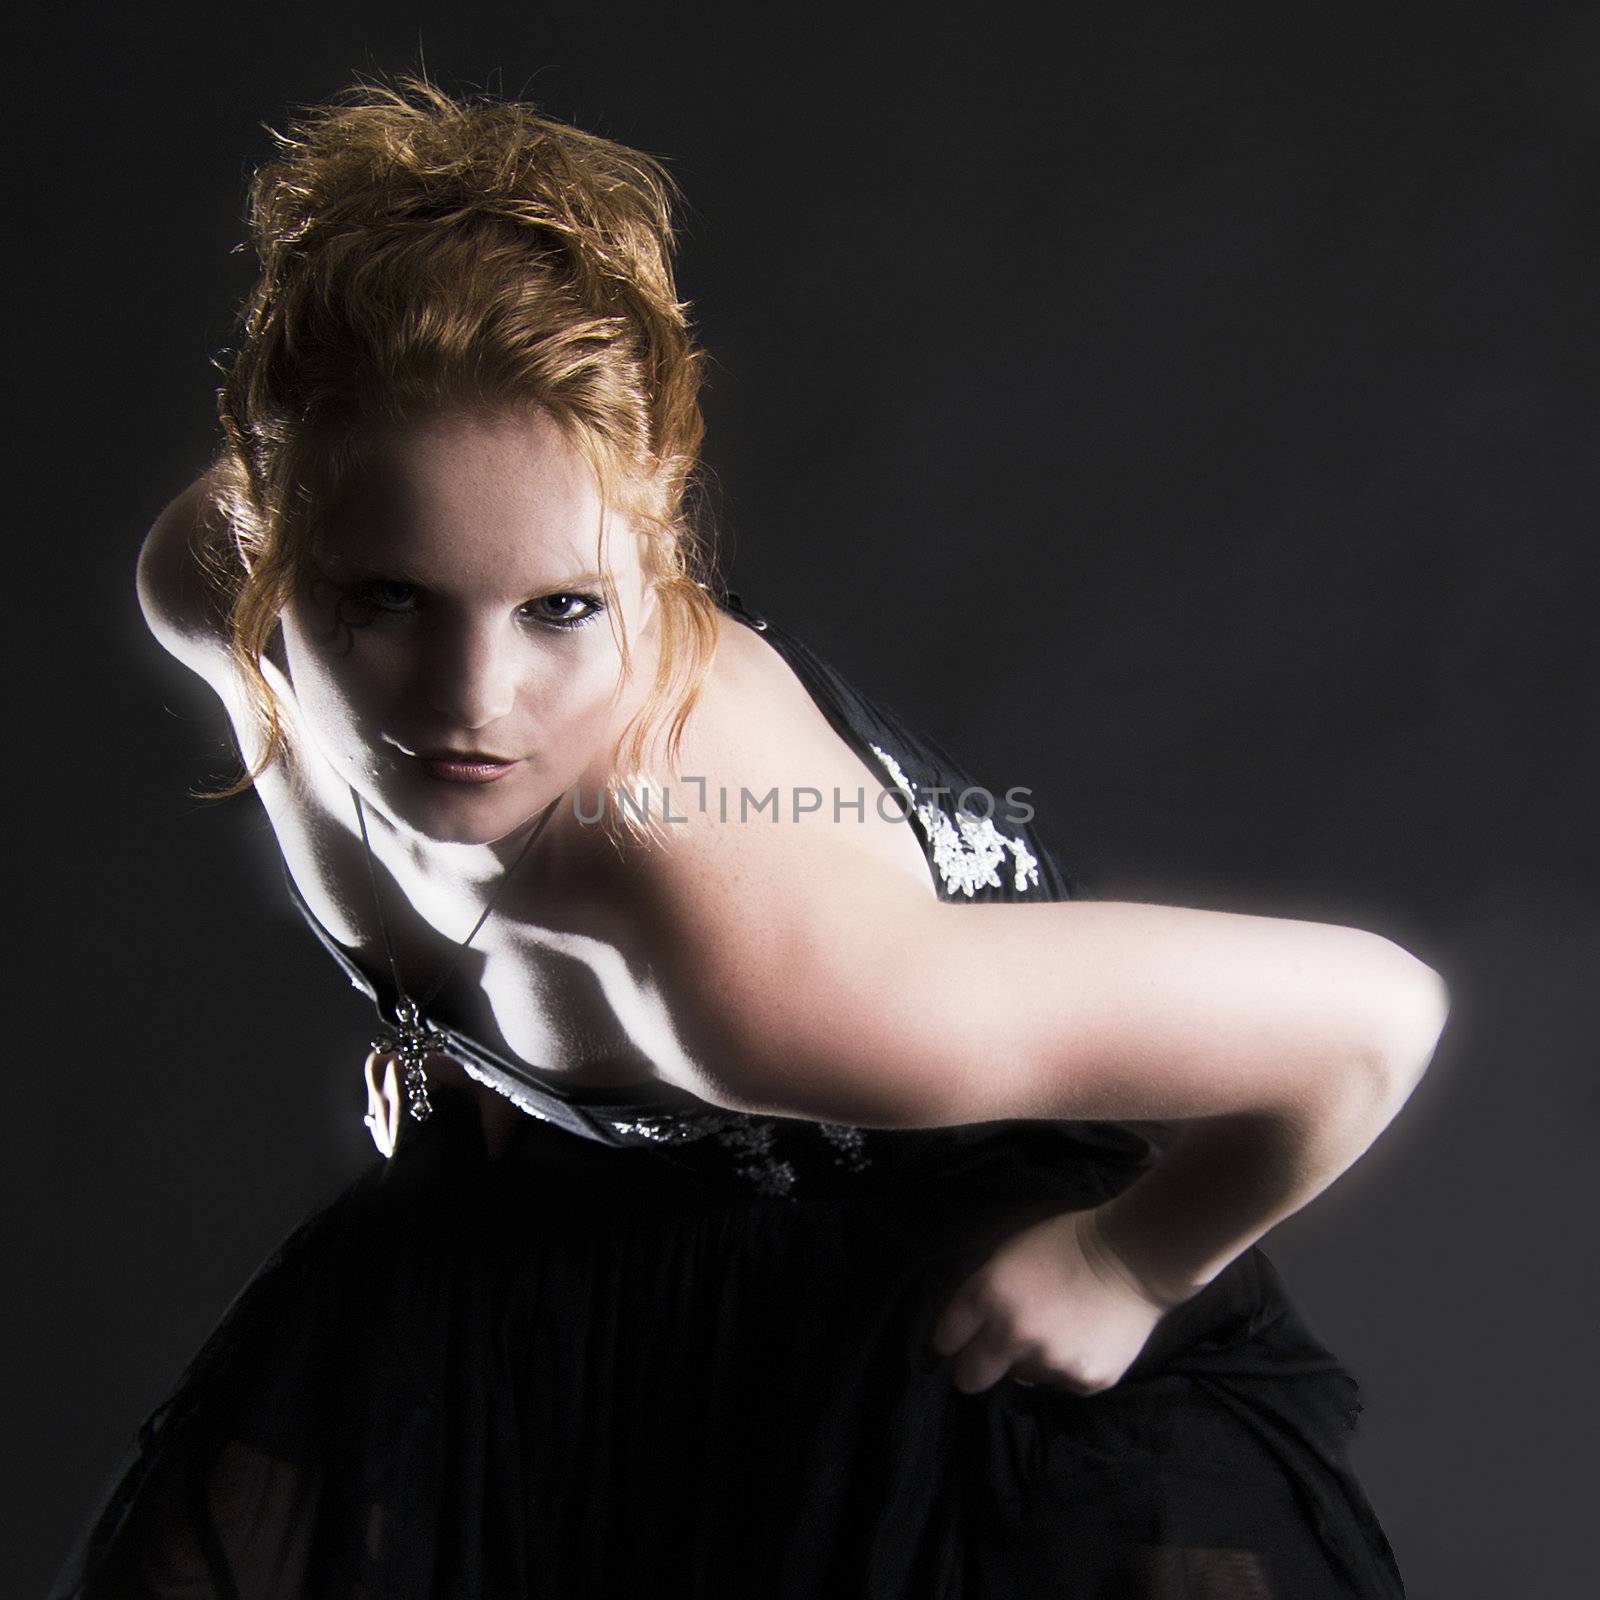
(573, 702)
(580, 689)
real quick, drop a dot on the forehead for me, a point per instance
(471, 495)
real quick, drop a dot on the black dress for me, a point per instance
(656, 1348)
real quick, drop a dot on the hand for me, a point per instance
(385, 1103)
(1053, 1304)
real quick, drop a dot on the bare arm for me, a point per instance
(1225, 1181)
(806, 980)
(830, 990)
(180, 608)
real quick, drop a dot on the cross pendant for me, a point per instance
(413, 1040)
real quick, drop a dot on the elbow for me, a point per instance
(182, 611)
(144, 579)
(157, 580)
(1413, 1018)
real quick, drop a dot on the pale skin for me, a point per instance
(808, 969)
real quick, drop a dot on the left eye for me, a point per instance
(561, 613)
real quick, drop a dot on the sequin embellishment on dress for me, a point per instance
(849, 1143)
(967, 850)
(520, 1098)
(752, 1140)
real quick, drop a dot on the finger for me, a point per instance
(959, 1321)
(374, 1105)
(382, 1131)
(983, 1361)
(1030, 1372)
(389, 1108)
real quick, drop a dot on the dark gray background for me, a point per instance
(1187, 411)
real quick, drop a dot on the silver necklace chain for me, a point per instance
(414, 1038)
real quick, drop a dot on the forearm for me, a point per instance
(1225, 1181)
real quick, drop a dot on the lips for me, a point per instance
(464, 766)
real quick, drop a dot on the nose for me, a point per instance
(472, 675)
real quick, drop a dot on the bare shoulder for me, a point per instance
(805, 975)
(752, 901)
(766, 792)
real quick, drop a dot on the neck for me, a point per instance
(442, 871)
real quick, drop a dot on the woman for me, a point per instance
(772, 1205)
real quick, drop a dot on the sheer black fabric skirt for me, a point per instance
(580, 1371)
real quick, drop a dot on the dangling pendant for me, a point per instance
(413, 1040)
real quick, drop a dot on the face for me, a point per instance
(457, 611)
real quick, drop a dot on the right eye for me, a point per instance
(386, 594)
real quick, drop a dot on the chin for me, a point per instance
(464, 813)
(459, 833)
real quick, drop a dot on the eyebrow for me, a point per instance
(354, 567)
